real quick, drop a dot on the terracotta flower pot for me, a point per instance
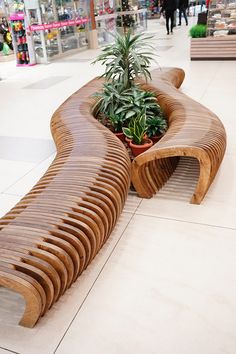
(128, 140)
(156, 138)
(120, 136)
(139, 149)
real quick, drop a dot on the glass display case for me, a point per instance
(118, 16)
(221, 19)
(58, 26)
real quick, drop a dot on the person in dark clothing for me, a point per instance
(183, 6)
(169, 6)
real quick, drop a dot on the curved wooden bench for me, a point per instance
(55, 231)
(193, 130)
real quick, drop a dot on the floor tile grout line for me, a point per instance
(141, 199)
(5, 190)
(208, 85)
(187, 222)
(91, 288)
(9, 350)
(12, 194)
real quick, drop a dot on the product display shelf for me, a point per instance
(220, 43)
(221, 18)
(20, 40)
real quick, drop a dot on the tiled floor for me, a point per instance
(46, 83)
(25, 149)
(164, 283)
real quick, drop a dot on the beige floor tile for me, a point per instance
(132, 202)
(12, 171)
(169, 287)
(24, 184)
(5, 351)
(25, 149)
(7, 201)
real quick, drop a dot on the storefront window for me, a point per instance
(65, 25)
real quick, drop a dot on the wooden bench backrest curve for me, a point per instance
(193, 130)
(55, 231)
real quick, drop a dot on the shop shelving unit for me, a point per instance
(220, 43)
(21, 40)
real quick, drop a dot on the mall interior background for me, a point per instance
(54, 28)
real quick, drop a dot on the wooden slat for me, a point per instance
(193, 130)
(54, 232)
(213, 47)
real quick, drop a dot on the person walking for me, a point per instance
(183, 6)
(169, 7)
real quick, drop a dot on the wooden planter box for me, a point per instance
(213, 48)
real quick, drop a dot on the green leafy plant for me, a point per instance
(109, 99)
(109, 102)
(116, 122)
(122, 102)
(156, 125)
(115, 99)
(126, 59)
(120, 106)
(137, 128)
(136, 100)
(198, 31)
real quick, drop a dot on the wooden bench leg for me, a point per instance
(33, 304)
(150, 176)
(203, 183)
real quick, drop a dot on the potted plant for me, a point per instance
(198, 44)
(122, 102)
(136, 131)
(156, 127)
(198, 31)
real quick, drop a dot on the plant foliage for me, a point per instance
(156, 125)
(127, 58)
(137, 128)
(198, 31)
(136, 100)
(122, 104)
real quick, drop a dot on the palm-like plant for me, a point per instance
(126, 59)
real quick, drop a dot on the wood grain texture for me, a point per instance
(55, 231)
(193, 130)
(213, 48)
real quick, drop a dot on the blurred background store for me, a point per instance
(39, 31)
(43, 30)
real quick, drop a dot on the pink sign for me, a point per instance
(17, 16)
(48, 26)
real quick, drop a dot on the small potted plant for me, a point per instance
(156, 127)
(198, 31)
(136, 131)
